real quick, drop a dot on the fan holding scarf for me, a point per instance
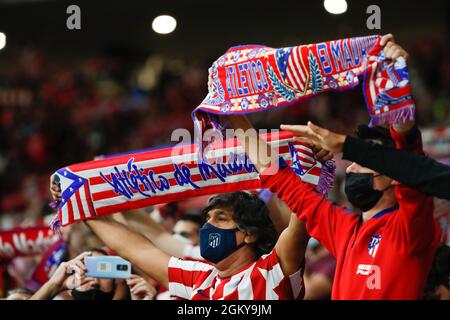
(246, 79)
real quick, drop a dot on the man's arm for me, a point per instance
(279, 212)
(141, 222)
(418, 171)
(132, 246)
(322, 219)
(291, 246)
(415, 219)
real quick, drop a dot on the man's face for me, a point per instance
(223, 218)
(380, 182)
(188, 230)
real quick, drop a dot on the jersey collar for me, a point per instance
(385, 211)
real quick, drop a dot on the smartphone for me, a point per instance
(113, 267)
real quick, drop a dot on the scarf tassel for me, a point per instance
(55, 225)
(326, 179)
(397, 116)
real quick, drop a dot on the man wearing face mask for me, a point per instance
(246, 262)
(387, 251)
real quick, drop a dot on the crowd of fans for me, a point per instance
(56, 112)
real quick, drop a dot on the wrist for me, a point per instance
(54, 287)
(340, 143)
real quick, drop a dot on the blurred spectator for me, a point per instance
(19, 294)
(56, 111)
(319, 271)
(438, 285)
(187, 228)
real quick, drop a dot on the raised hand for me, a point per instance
(70, 274)
(55, 189)
(391, 49)
(323, 140)
(140, 289)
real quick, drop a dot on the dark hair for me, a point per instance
(251, 215)
(375, 133)
(197, 218)
(440, 271)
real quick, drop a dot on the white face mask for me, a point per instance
(181, 238)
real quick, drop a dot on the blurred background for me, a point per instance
(116, 85)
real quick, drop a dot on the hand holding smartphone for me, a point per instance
(113, 267)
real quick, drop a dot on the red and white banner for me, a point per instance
(141, 179)
(25, 241)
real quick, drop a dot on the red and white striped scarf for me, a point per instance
(136, 180)
(25, 241)
(253, 78)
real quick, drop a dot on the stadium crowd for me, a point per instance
(101, 105)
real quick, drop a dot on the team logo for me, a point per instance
(299, 164)
(214, 240)
(373, 245)
(332, 83)
(296, 166)
(350, 76)
(244, 104)
(226, 106)
(263, 101)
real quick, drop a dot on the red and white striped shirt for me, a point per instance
(260, 280)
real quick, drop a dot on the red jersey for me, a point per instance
(387, 257)
(260, 280)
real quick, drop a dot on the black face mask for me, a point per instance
(360, 192)
(93, 294)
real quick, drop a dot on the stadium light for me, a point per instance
(164, 24)
(2, 40)
(335, 6)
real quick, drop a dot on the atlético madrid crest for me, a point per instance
(214, 240)
(373, 244)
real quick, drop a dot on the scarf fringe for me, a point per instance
(55, 225)
(326, 179)
(397, 116)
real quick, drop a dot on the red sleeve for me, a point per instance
(416, 223)
(325, 221)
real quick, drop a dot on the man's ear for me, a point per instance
(249, 238)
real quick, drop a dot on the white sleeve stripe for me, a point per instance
(180, 290)
(296, 281)
(186, 265)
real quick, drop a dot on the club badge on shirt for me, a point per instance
(373, 245)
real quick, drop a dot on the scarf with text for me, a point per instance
(25, 241)
(254, 78)
(141, 179)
